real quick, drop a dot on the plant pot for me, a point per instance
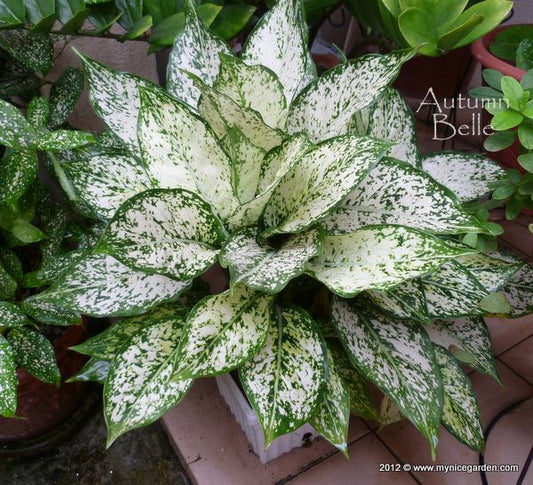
(246, 417)
(43, 407)
(480, 52)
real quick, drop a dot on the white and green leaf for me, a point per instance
(284, 381)
(223, 331)
(64, 94)
(8, 380)
(264, 268)
(11, 315)
(398, 357)
(379, 258)
(15, 131)
(18, 171)
(388, 412)
(519, 292)
(397, 193)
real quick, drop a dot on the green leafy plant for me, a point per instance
(515, 43)
(511, 104)
(342, 242)
(434, 27)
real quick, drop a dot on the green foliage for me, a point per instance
(515, 43)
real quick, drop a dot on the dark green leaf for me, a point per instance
(138, 28)
(493, 78)
(506, 42)
(232, 19)
(131, 12)
(12, 12)
(499, 141)
(524, 54)
(35, 51)
(525, 135)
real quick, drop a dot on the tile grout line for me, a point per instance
(515, 372)
(515, 345)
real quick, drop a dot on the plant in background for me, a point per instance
(511, 104)
(341, 241)
(433, 26)
(515, 44)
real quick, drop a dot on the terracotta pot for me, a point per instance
(41, 406)
(480, 52)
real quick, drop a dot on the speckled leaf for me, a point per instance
(12, 264)
(140, 387)
(397, 193)
(379, 258)
(115, 98)
(34, 50)
(164, 231)
(15, 131)
(50, 313)
(388, 412)
(8, 380)
(35, 353)
(279, 42)
(453, 292)
(398, 357)
(406, 301)
(11, 315)
(275, 165)
(493, 273)
(246, 161)
(17, 172)
(467, 175)
(519, 292)
(105, 179)
(171, 154)
(195, 50)
(94, 370)
(460, 413)
(52, 268)
(264, 268)
(8, 285)
(242, 83)
(222, 113)
(315, 185)
(64, 140)
(326, 106)
(99, 285)
(391, 119)
(38, 112)
(332, 416)
(64, 95)
(284, 381)
(223, 331)
(468, 339)
(361, 400)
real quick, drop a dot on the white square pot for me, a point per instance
(246, 417)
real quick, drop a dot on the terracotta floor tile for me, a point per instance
(507, 332)
(520, 359)
(216, 451)
(518, 237)
(362, 469)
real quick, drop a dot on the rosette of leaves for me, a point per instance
(37, 236)
(511, 104)
(433, 26)
(342, 242)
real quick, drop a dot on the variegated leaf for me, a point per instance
(60, 140)
(493, 273)
(99, 285)
(11, 315)
(246, 164)
(64, 95)
(398, 357)
(467, 175)
(172, 155)
(332, 416)
(279, 42)
(264, 268)
(18, 171)
(223, 331)
(326, 106)
(453, 292)
(379, 258)
(361, 400)
(38, 112)
(391, 119)
(222, 114)
(319, 181)
(406, 301)
(388, 412)
(468, 339)
(8, 380)
(35, 353)
(460, 413)
(519, 292)
(275, 165)
(105, 179)
(52, 268)
(15, 131)
(50, 313)
(164, 231)
(195, 50)
(115, 98)
(243, 83)
(94, 370)
(284, 381)
(140, 386)
(396, 193)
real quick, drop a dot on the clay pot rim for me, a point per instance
(480, 52)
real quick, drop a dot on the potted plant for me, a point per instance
(342, 244)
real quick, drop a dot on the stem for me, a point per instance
(94, 33)
(63, 180)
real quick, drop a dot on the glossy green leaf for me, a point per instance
(8, 380)
(506, 42)
(131, 12)
(36, 10)
(93, 371)
(12, 12)
(232, 19)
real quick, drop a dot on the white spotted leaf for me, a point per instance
(15, 131)
(8, 380)
(18, 171)
(11, 315)
(519, 292)
(284, 381)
